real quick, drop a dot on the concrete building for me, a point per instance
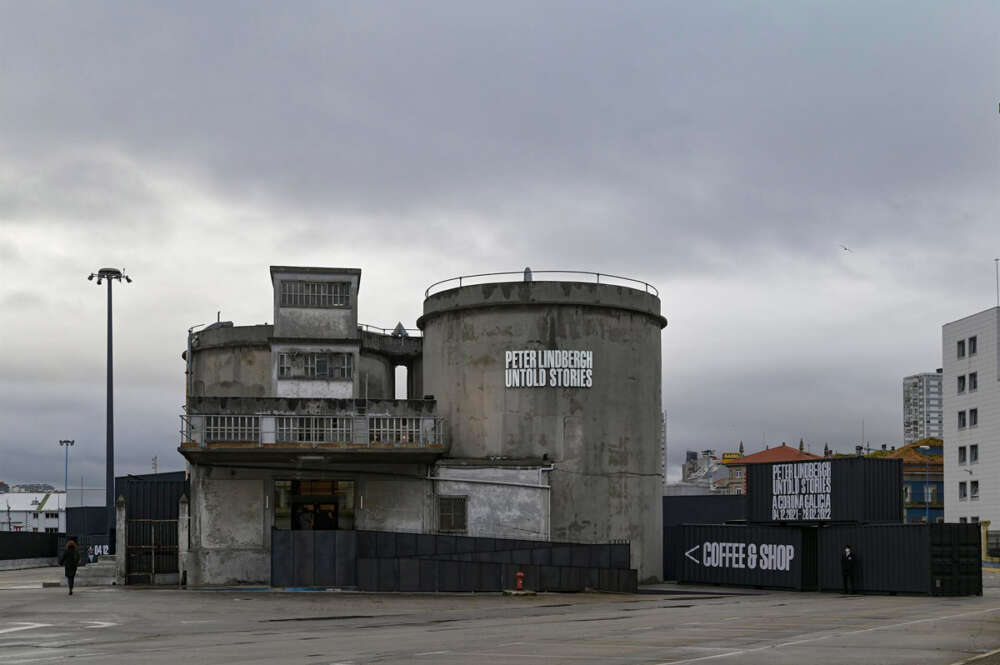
(971, 387)
(533, 413)
(922, 407)
(39, 512)
(923, 479)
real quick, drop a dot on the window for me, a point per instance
(962, 520)
(930, 493)
(973, 381)
(452, 514)
(34, 516)
(329, 366)
(52, 516)
(961, 348)
(284, 365)
(232, 428)
(974, 519)
(398, 431)
(907, 494)
(51, 529)
(962, 491)
(961, 454)
(961, 419)
(961, 384)
(974, 454)
(972, 345)
(313, 429)
(296, 293)
(974, 490)
(973, 417)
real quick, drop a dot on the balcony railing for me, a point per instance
(346, 432)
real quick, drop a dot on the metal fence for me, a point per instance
(341, 431)
(993, 543)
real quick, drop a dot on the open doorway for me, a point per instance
(313, 505)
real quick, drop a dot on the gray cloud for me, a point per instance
(720, 151)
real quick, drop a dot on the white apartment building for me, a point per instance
(971, 387)
(922, 415)
(33, 512)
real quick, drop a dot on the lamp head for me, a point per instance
(91, 277)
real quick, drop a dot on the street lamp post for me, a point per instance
(927, 484)
(66, 443)
(110, 275)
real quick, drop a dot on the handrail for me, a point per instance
(411, 332)
(647, 287)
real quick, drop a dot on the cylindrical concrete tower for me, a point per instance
(567, 374)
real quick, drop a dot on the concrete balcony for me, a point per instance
(291, 431)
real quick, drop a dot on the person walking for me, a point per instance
(847, 561)
(69, 560)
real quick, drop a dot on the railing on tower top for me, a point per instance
(469, 280)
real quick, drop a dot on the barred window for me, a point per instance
(232, 428)
(452, 517)
(297, 293)
(388, 429)
(284, 365)
(329, 366)
(313, 429)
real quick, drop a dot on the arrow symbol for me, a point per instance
(100, 624)
(688, 554)
(22, 625)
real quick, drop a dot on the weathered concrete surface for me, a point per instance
(22, 564)
(604, 441)
(673, 626)
(376, 376)
(232, 361)
(501, 502)
(307, 322)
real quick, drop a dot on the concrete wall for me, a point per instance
(501, 502)
(604, 440)
(316, 323)
(377, 377)
(233, 361)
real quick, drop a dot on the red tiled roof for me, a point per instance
(780, 453)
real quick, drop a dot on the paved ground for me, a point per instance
(672, 626)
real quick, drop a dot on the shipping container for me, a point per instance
(936, 559)
(746, 555)
(843, 489)
(697, 509)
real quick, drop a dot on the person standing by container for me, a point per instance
(69, 560)
(847, 561)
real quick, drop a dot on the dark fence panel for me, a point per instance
(858, 489)
(151, 499)
(18, 545)
(993, 543)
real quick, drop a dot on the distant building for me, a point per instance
(4, 487)
(922, 407)
(738, 466)
(33, 512)
(33, 487)
(971, 402)
(923, 479)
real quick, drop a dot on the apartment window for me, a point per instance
(232, 428)
(907, 494)
(961, 454)
(974, 490)
(930, 493)
(961, 384)
(962, 520)
(34, 516)
(52, 516)
(313, 429)
(452, 516)
(974, 519)
(963, 492)
(284, 365)
(961, 348)
(296, 293)
(973, 381)
(329, 365)
(972, 345)
(973, 417)
(961, 419)
(51, 529)
(974, 454)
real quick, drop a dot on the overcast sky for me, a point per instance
(720, 150)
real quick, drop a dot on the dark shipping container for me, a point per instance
(698, 509)
(844, 489)
(764, 556)
(937, 559)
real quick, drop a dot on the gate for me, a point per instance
(151, 552)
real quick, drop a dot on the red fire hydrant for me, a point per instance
(520, 580)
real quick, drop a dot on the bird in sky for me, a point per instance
(846, 248)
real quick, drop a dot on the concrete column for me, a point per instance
(984, 527)
(183, 529)
(121, 537)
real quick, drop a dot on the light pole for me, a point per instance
(66, 443)
(927, 484)
(110, 275)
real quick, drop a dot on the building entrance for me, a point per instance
(313, 505)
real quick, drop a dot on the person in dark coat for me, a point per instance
(69, 560)
(847, 561)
